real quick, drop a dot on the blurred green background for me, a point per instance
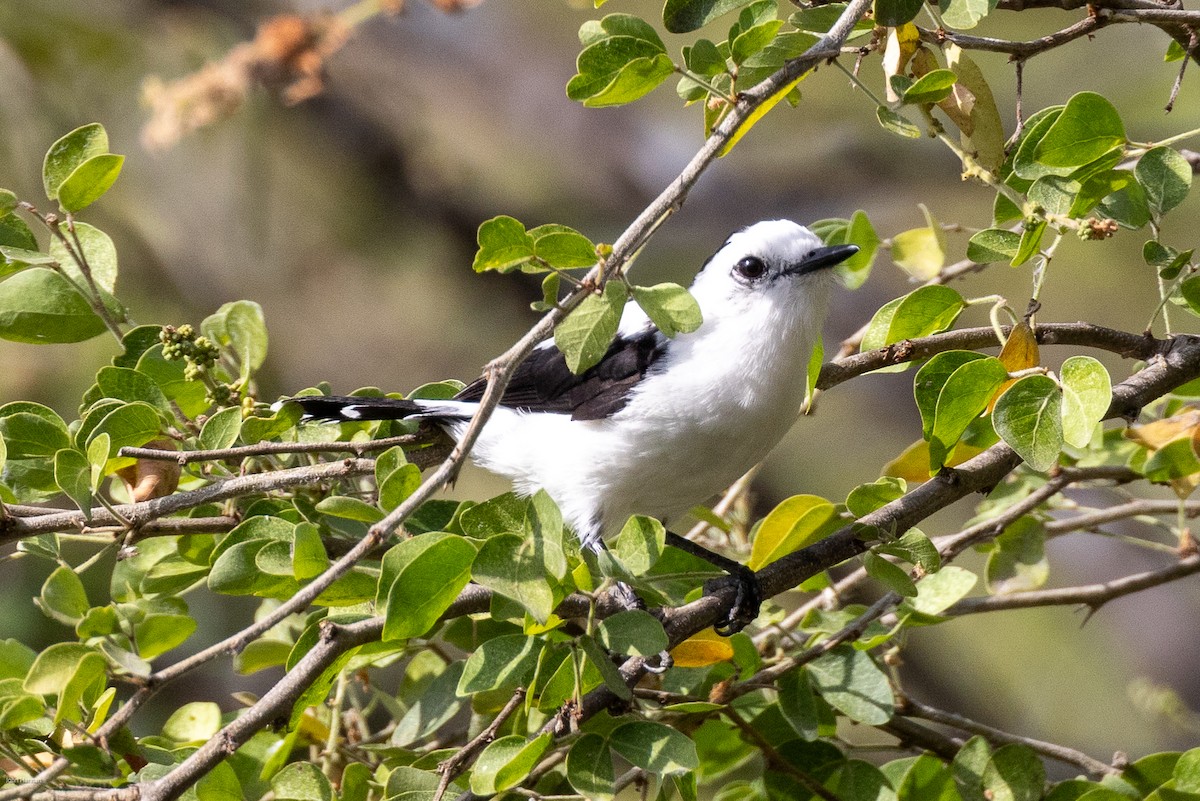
(351, 218)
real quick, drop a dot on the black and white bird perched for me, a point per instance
(658, 425)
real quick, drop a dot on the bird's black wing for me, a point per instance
(544, 383)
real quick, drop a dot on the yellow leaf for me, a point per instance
(703, 649)
(913, 464)
(793, 524)
(1157, 434)
(902, 42)
(1020, 352)
(983, 132)
(759, 113)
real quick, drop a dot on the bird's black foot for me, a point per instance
(748, 595)
(747, 600)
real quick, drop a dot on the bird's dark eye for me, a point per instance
(750, 268)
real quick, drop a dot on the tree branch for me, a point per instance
(912, 708)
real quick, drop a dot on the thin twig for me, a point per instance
(425, 457)
(453, 767)
(1095, 767)
(1090, 595)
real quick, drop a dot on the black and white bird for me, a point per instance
(658, 425)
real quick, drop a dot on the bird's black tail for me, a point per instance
(335, 407)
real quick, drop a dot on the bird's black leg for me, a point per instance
(748, 598)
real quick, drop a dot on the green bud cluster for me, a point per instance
(182, 343)
(200, 354)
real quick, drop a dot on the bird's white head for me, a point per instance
(774, 271)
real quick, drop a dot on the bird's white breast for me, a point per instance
(708, 411)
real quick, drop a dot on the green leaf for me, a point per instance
(968, 767)
(39, 306)
(14, 259)
(1087, 394)
(348, 508)
(221, 430)
(622, 60)
(32, 430)
(670, 307)
(129, 425)
(71, 151)
(506, 762)
(1024, 163)
(89, 181)
(301, 781)
(993, 244)
(309, 558)
(1186, 772)
(515, 566)
(927, 779)
(194, 722)
(892, 576)
(853, 684)
(584, 336)
(98, 251)
(1018, 561)
(1031, 239)
(1189, 290)
(1174, 460)
(915, 548)
(500, 663)
(1028, 416)
(63, 597)
(640, 544)
(504, 514)
(866, 498)
(1165, 176)
(894, 13)
(931, 87)
(961, 397)
(1054, 194)
(819, 19)
(896, 123)
(1014, 774)
(855, 270)
(590, 768)
(562, 247)
(169, 375)
(159, 632)
(753, 40)
(504, 245)
(794, 524)
(602, 663)
(633, 633)
(66, 671)
(240, 327)
(685, 16)
(965, 14)
(938, 591)
(437, 703)
(654, 747)
(398, 485)
(420, 578)
(97, 456)
(1128, 205)
(1088, 128)
(130, 385)
(920, 313)
(798, 704)
(73, 475)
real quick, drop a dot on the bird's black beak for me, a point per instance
(821, 258)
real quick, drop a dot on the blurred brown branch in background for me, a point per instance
(286, 56)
